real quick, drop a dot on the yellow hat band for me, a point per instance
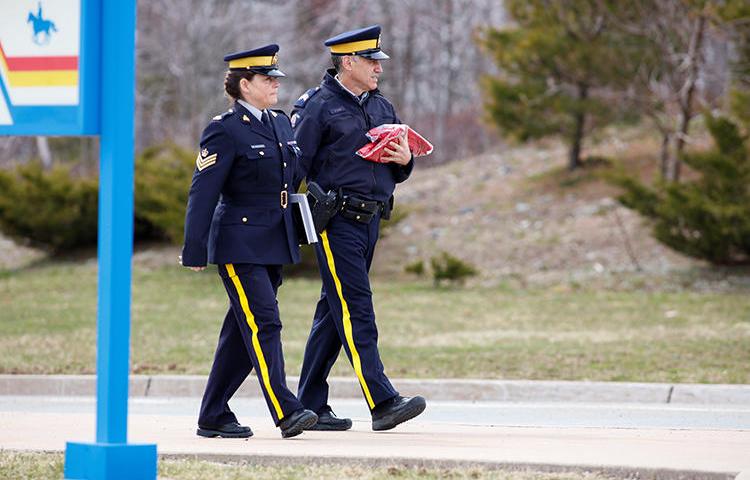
(252, 62)
(351, 47)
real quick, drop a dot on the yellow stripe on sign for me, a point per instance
(347, 321)
(256, 343)
(61, 78)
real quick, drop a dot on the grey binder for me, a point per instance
(303, 220)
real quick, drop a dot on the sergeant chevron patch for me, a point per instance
(203, 163)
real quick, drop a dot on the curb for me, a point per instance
(434, 389)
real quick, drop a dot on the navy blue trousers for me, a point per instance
(344, 316)
(250, 338)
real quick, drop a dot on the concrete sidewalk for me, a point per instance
(693, 454)
(693, 441)
(437, 389)
(632, 430)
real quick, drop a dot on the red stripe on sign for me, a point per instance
(41, 63)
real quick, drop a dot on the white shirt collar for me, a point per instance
(254, 110)
(360, 99)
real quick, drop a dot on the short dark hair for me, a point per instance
(232, 82)
(336, 60)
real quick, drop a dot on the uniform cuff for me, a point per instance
(194, 256)
(403, 171)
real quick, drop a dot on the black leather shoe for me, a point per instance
(294, 424)
(395, 411)
(327, 420)
(228, 430)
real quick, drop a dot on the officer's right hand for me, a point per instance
(398, 151)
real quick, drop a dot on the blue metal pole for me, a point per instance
(111, 457)
(115, 218)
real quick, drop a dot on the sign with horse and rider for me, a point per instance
(48, 73)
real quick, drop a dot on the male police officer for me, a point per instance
(330, 125)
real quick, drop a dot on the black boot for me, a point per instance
(327, 420)
(228, 430)
(397, 410)
(294, 424)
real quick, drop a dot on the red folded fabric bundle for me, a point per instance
(382, 135)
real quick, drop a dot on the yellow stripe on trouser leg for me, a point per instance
(256, 343)
(347, 321)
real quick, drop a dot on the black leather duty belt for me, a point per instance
(258, 200)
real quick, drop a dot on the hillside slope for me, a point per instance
(519, 216)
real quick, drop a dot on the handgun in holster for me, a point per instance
(323, 205)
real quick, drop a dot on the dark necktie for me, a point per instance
(266, 120)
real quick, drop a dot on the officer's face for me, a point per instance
(365, 72)
(262, 91)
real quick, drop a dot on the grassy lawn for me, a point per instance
(48, 317)
(50, 465)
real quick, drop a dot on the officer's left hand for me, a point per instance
(398, 152)
(195, 269)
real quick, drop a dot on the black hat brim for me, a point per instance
(275, 72)
(376, 55)
(268, 71)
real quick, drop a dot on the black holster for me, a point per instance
(323, 205)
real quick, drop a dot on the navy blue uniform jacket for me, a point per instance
(234, 212)
(330, 126)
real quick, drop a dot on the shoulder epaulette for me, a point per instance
(224, 115)
(300, 103)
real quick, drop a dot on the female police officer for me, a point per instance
(245, 163)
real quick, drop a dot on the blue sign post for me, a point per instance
(73, 73)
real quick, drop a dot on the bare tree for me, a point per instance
(431, 77)
(687, 72)
(42, 147)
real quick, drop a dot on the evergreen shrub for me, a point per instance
(57, 210)
(162, 181)
(708, 217)
(417, 268)
(447, 267)
(50, 209)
